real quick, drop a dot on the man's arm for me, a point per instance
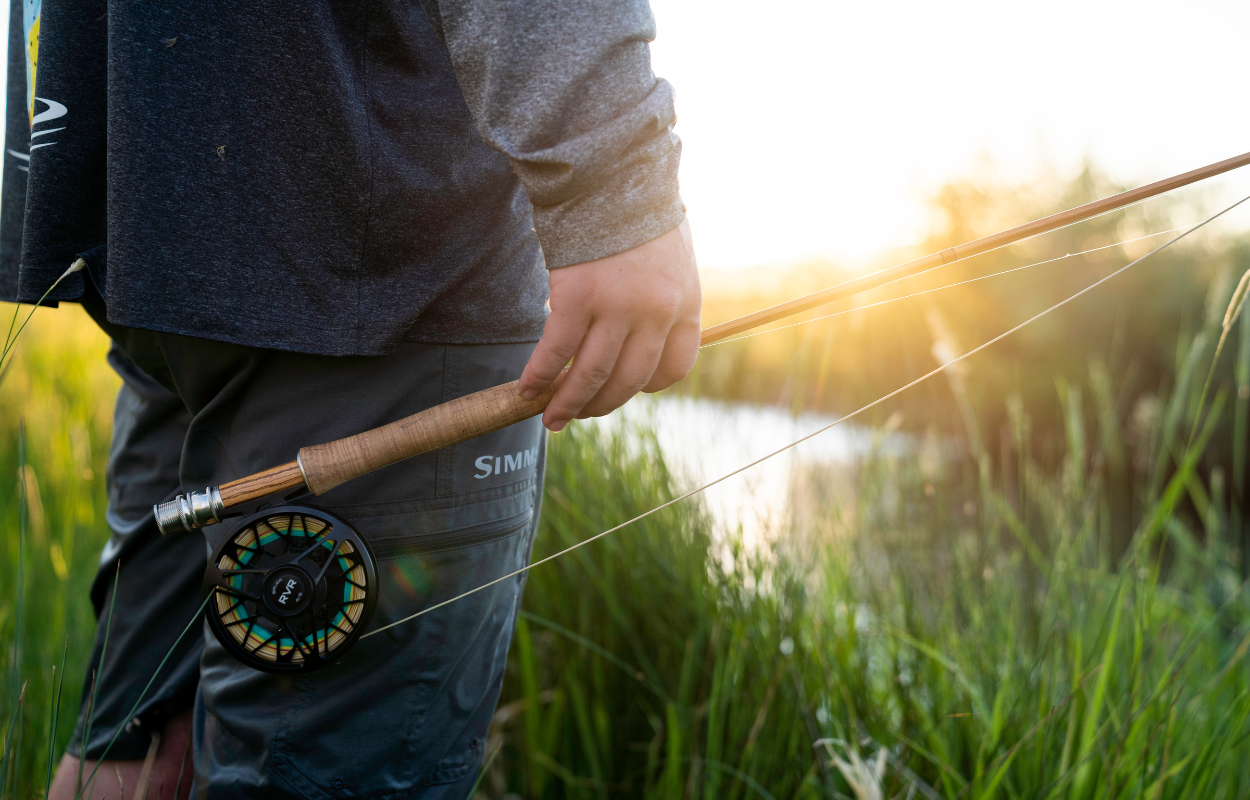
(565, 90)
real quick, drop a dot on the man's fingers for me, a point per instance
(636, 363)
(591, 369)
(628, 321)
(562, 335)
(680, 351)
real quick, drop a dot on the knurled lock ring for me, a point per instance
(189, 512)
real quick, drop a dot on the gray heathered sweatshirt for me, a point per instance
(331, 176)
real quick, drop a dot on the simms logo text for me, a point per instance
(497, 465)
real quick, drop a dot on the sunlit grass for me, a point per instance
(974, 641)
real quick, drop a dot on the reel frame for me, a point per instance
(295, 586)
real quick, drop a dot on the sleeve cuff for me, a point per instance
(639, 202)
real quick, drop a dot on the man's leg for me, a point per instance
(158, 591)
(166, 771)
(404, 713)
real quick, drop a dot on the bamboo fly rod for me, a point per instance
(974, 248)
(322, 467)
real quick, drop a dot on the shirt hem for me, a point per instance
(348, 346)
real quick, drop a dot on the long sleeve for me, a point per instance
(565, 89)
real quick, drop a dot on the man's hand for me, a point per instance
(629, 322)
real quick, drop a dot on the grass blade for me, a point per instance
(95, 686)
(1241, 435)
(130, 715)
(56, 715)
(20, 583)
(1094, 709)
(11, 342)
(8, 737)
(480, 775)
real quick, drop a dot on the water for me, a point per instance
(705, 439)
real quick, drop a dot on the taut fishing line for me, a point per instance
(817, 432)
(947, 286)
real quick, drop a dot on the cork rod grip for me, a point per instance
(334, 463)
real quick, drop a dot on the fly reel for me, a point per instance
(294, 588)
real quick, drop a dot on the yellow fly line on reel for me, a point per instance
(293, 588)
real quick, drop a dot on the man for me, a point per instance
(302, 221)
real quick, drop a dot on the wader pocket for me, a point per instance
(411, 707)
(449, 540)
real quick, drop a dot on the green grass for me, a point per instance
(60, 390)
(978, 624)
(978, 653)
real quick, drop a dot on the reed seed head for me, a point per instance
(78, 266)
(1237, 301)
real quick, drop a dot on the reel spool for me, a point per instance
(294, 588)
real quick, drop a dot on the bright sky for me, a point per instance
(816, 127)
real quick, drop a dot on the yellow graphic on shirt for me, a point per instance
(32, 65)
(30, 25)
